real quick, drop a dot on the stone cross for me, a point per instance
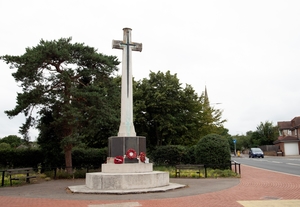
(126, 127)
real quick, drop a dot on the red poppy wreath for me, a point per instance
(118, 159)
(142, 157)
(131, 154)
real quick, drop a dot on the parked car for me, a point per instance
(256, 152)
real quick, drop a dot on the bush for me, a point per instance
(14, 158)
(5, 146)
(191, 156)
(62, 174)
(214, 151)
(91, 157)
(169, 155)
(82, 158)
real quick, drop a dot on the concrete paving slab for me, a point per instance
(127, 204)
(85, 189)
(271, 203)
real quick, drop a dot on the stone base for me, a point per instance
(86, 190)
(127, 168)
(126, 181)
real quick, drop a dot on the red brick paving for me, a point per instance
(256, 184)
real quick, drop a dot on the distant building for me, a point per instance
(289, 136)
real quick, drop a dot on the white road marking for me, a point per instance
(276, 162)
(127, 204)
(293, 164)
(294, 159)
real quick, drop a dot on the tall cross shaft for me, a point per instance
(126, 126)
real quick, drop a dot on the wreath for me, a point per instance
(131, 154)
(118, 159)
(142, 156)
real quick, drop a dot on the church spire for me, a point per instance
(206, 99)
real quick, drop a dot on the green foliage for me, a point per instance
(21, 158)
(68, 80)
(63, 174)
(210, 119)
(243, 141)
(13, 140)
(213, 150)
(265, 134)
(4, 146)
(169, 114)
(211, 173)
(82, 158)
(169, 155)
(91, 157)
(215, 173)
(190, 158)
(49, 142)
(14, 182)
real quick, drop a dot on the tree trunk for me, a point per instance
(68, 158)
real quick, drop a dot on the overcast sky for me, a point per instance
(247, 53)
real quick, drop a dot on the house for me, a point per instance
(289, 136)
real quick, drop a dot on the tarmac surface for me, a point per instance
(256, 187)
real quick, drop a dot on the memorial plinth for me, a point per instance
(127, 168)
(119, 145)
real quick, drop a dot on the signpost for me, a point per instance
(234, 142)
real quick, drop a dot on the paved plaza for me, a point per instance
(256, 187)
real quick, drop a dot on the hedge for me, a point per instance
(81, 158)
(172, 155)
(13, 158)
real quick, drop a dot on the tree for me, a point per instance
(265, 134)
(169, 114)
(49, 141)
(102, 112)
(13, 140)
(211, 118)
(4, 146)
(243, 141)
(54, 76)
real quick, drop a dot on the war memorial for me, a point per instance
(127, 169)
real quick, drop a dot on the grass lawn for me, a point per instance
(211, 173)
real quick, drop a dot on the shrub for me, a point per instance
(15, 158)
(213, 150)
(82, 158)
(169, 155)
(91, 157)
(191, 156)
(5, 146)
(61, 173)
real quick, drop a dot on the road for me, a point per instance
(289, 165)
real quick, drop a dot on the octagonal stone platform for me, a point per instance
(126, 181)
(126, 178)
